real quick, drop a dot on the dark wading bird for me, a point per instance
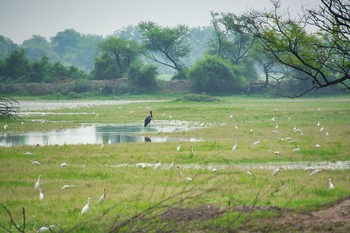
(148, 119)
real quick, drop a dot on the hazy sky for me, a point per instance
(20, 19)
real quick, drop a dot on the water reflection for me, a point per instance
(97, 134)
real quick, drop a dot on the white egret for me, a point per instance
(5, 127)
(44, 228)
(273, 119)
(35, 162)
(41, 195)
(141, 165)
(178, 148)
(331, 186)
(317, 146)
(158, 165)
(64, 165)
(315, 172)
(256, 142)
(37, 183)
(188, 179)
(318, 123)
(277, 152)
(235, 126)
(86, 207)
(296, 149)
(234, 146)
(172, 165)
(103, 196)
(321, 129)
(277, 170)
(28, 153)
(327, 134)
(214, 169)
(249, 173)
(67, 186)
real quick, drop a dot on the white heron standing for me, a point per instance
(86, 207)
(41, 195)
(331, 185)
(37, 183)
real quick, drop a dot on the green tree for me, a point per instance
(16, 66)
(6, 47)
(38, 47)
(143, 76)
(165, 45)
(65, 40)
(215, 75)
(117, 56)
(322, 56)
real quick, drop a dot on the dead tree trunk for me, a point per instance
(8, 107)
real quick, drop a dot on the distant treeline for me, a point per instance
(257, 52)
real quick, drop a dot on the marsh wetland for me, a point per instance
(226, 152)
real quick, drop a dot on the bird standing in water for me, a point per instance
(148, 119)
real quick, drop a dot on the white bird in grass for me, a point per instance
(214, 169)
(28, 153)
(315, 172)
(5, 127)
(249, 173)
(141, 165)
(86, 207)
(172, 165)
(44, 229)
(178, 148)
(256, 142)
(276, 171)
(234, 146)
(67, 186)
(35, 162)
(331, 186)
(103, 196)
(64, 165)
(37, 183)
(41, 195)
(157, 165)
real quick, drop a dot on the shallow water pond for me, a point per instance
(100, 133)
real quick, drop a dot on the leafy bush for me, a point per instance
(143, 77)
(214, 75)
(198, 98)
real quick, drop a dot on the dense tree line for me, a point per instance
(266, 51)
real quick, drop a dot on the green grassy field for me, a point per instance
(137, 198)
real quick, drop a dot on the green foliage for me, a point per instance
(15, 66)
(214, 75)
(197, 98)
(143, 76)
(117, 55)
(165, 45)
